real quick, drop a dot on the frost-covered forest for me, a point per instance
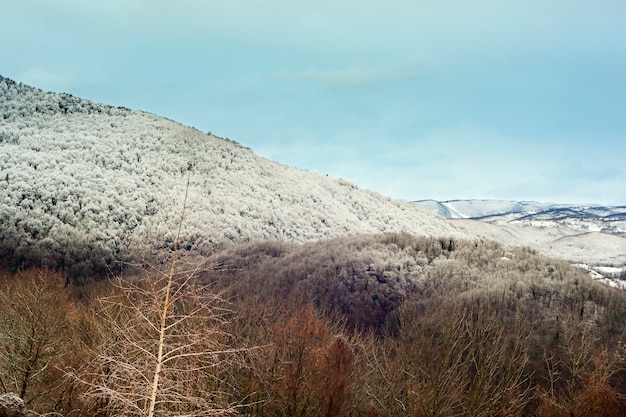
(262, 290)
(84, 185)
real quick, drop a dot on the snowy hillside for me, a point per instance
(84, 183)
(585, 218)
(591, 235)
(482, 209)
(558, 241)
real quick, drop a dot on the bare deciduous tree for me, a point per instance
(458, 361)
(160, 347)
(38, 330)
(578, 374)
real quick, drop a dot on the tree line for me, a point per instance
(530, 336)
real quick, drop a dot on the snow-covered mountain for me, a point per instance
(586, 234)
(579, 218)
(584, 217)
(85, 184)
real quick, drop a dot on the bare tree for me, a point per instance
(496, 359)
(38, 327)
(458, 360)
(420, 372)
(160, 347)
(578, 375)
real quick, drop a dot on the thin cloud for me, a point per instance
(47, 80)
(411, 67)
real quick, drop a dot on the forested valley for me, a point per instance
(367, 325)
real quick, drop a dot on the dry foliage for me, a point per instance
(41, 333)
(579, 375)
(126, 352)
(160, 347)
(454, 361)
(471, 333)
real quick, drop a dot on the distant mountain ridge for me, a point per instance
(517, 210)
(84, 185)
(583, 234)
(475, 209)
(591, 218)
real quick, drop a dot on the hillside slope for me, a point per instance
(365, 278)
(588, 234)
(558, 241)
(84, 184)
(480, 209)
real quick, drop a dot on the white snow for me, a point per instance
(610, 270)
(114, 179)
(111, 181)
(454, 213)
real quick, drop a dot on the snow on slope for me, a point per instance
(439, 208)
(80, 179)
(605, 249)
(587, 234)
(479, 209)
(586, 218)
(558, 241)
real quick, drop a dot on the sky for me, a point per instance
(414, 99)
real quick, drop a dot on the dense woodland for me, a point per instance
(369, 325)
(282, 293)
(86, 187)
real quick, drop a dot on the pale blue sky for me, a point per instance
(508, 99)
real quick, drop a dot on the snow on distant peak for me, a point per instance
(454, 213)
(579, 233)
